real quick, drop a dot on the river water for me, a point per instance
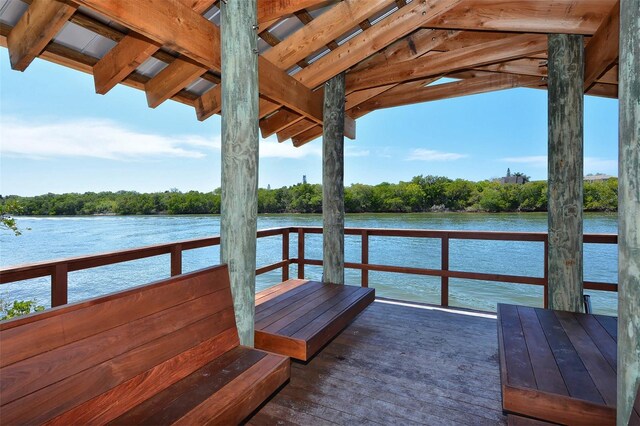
(61, 237)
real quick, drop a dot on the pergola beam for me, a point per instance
(602, 51)
(442, 63)
(171, 80)
(131, 52)
(400, 95)
(172, 24)
(532, 16)
(326, 28)
(365, 44)
(270, 10)
(122, 60)
(35, 29)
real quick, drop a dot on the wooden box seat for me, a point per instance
(162, 353)
(298, 317)
(558, 366)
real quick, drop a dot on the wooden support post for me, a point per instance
(566, 104)
(333, 181)
(59, 285)
(240, 158)
(300, 253)
(365, 258)
(285, 254)
(629, 211)
(444, 281)
(176, 260)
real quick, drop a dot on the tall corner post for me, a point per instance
(239, 204)
(566, 170)
(629, 210)
(333, 180)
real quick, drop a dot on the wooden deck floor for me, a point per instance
(397, 365)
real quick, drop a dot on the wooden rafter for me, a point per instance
(131, 52)
(171, 80)
(270, 10)
(65, 56)
(330, 25)
(436, 64)
(379, 36)
(180, 28)
(400, 95)
(602, 51)
(35, 29)
(531, 16)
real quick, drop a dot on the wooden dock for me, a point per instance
(397, 364)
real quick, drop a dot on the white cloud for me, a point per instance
(431, 155)
(106, 139)
(591, 164)
(95, 138)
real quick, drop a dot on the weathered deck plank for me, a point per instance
(401, 365)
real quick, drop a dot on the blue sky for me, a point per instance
(57, 135)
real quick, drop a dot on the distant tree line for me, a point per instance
(421, 194)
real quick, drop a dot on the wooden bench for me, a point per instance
(162, 353)
(298, 317)
(558, 366)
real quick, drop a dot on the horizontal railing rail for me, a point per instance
(58, 269)
(444, 272)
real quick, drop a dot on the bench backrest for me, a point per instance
(108, 354)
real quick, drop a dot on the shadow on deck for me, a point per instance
(397, 363)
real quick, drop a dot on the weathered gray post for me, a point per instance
(629, 210)
(566, 98)
(333, 180)
(239, 204)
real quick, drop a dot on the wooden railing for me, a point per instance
(58, 269)
(444, 272)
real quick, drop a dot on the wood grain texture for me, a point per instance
(239, 203)
(602, 51)
(552, 369)
(35, 29)
(333, 181)
(173, 78)
(396, 365)
(629, 212)
(146, 355)
(566, 171)
(298, 317)
(445, 62)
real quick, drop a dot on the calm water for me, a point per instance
(54, 238)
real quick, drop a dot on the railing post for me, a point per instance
(546, 272)
(59, 285)
(365, 258)
(300, 253)
(176, 260)
(285, 254)
(444, 281)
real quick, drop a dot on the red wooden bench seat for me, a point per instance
(162, 353)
